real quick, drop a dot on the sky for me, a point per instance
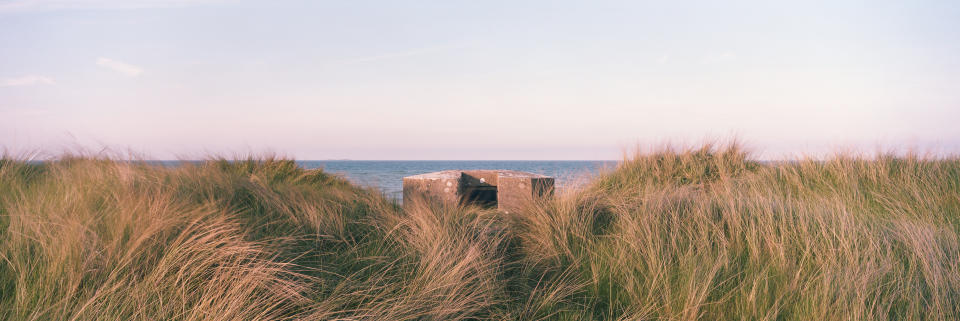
(476, 79)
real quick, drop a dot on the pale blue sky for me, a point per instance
(476, 79)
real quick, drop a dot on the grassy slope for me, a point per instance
(692, 234)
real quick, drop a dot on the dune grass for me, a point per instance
(675, 234)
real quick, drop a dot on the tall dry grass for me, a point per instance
(708, 234)
(676, 234)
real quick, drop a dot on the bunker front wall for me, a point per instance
(510, 189)
(442, 188)
(514, 192)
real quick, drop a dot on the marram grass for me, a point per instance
(695, 234)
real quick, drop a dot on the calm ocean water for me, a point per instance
(388, 175)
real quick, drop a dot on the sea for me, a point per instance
(387, 176)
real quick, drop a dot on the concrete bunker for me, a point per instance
(505, 190)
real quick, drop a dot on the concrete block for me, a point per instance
(503, 189)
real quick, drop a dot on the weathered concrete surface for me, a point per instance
(505, 189)
(437, 186)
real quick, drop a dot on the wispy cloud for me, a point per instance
(716, 57)
(28, 80)
(397, 54)
(119, 66)
(32, 5)
(663, 59)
